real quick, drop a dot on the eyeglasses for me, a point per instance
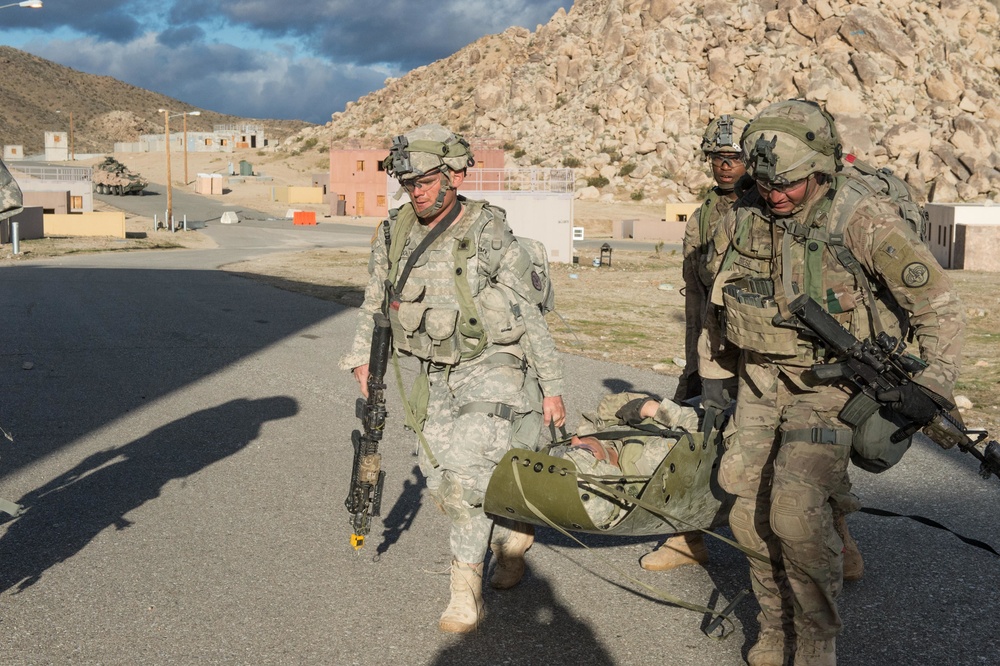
(767, 186)
(422, 183)
(728, 159)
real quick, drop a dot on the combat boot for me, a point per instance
(854, 564)
(678, 550)
(816, 652)
(771, 649)
(465, 610)
(510, 557)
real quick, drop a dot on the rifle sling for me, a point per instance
(431, 236)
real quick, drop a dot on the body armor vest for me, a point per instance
(448, 310)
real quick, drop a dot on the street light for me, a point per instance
(31, 4)
(167, 115)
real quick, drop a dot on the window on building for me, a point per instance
(379, 165)
(380, 200)
(360, 166)
(342, 197)
(208, 142)
(682, 218)
(76, 203)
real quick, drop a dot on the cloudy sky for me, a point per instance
(292, 59)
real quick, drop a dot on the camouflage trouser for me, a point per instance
(786, 463)
(468, 443)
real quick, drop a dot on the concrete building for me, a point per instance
(358, 180)
(55, 189)
(222, 139)
(965, 236)
(56, 147)
(539, 203)
(13, 153)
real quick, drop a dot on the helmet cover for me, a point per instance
(723, 134)
(425, 149)
(790, 140)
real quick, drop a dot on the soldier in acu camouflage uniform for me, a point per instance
(721, 147)
(10, 194)
(462, 296)
(787, 448)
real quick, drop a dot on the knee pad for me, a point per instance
(458, 502)
(795, 514)
(746, 527)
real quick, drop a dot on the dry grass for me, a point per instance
(633, 311)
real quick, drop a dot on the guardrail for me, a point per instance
(53, 172)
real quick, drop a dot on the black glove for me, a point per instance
(715, 393)
(631, 412)
(909, 400)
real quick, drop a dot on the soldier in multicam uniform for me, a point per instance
(721, 147)
(787, 450)
(462, 296)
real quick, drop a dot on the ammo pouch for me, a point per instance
(429, 333)
(750, 313)
(873, 423)
(501, 313)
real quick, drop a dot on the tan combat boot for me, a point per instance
(816, 652)
(771, 649)
(510, 557)
(678, 550)
(854, 564)
(465, 610)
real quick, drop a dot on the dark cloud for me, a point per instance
(223, 78)
(180, 36)
(117, 21)
(303, 60)
(406, 33)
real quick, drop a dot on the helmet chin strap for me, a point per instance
(438, 204)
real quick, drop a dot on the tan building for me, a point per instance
(358, 180)
(965, 236)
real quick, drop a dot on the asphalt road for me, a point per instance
(181, 438)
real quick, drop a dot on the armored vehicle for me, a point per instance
(113, 177)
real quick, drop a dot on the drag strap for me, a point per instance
(410, 416)
(718, 618)
(930, 523)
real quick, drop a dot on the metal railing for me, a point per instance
(520, 180)
(52, 172)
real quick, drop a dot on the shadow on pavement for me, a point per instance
(64, 515)
(527, 625)
(400, 517)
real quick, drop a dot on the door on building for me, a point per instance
(359, 204)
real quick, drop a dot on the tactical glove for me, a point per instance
(715, 393)
(631, 412)
(910, 401)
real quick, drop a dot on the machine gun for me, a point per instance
(883, 365)
(364, 499)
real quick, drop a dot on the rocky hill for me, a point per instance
(622, 89)
(37, 96)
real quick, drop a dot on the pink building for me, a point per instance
(358, 180)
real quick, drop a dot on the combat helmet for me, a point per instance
(788, 141)
(723, 134)
(427, 149)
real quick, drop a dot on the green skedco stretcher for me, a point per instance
(681, 495)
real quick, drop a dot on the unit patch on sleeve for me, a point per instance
(916, 275)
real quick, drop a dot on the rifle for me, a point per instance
(364, 499)
(882, 365)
